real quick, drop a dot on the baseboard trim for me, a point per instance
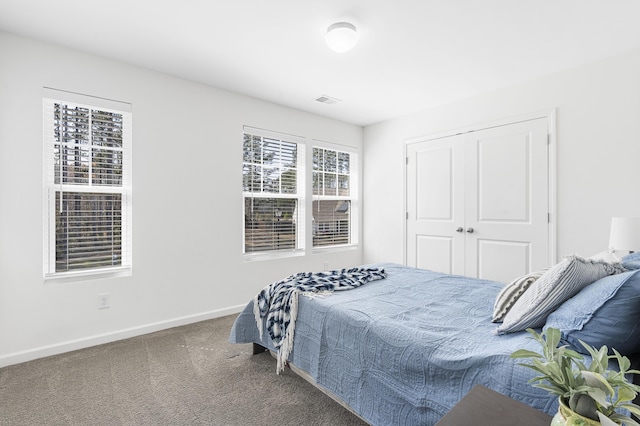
(72, 345)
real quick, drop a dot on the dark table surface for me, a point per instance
(483, 406)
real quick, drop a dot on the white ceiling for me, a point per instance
(411, 55)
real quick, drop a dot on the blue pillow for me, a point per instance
(606, 312)
(631, 261)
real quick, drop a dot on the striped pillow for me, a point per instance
(512, 292)
(555, 286)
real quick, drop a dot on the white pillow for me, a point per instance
(511, 293)
(555, 286)
(609, 256)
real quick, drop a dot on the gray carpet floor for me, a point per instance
(187, 375)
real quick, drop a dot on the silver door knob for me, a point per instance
(470, 230)
(459, 229)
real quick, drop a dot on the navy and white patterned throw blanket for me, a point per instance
(278, 302)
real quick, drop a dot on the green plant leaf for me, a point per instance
(625, 394)
(596, 380)
(553, 337)
(555, 390)
(573, 354)
(632, 408)
(584, 405)
(599, 396)
(620, 419)
(606, 421)
(554, 370)
(523, 353)
(599, 358)
(603, 357)
(570, 377)
(623, 362)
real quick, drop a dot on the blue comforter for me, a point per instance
(404, 350)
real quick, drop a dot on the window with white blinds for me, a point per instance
(87, 144)
(272, 184)
(332, 197)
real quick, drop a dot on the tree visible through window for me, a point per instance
(331, 197)
(271, 192)
(87, 187)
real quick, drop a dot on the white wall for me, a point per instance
(598, 152)
(187, 206)
(187, 216)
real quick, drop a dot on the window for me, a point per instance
(87, 144)
(332, 197)
(272, 184)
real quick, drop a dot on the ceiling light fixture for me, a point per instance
(341, 37)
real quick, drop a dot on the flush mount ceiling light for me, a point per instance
(341, 37)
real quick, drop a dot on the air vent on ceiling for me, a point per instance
(327, 100)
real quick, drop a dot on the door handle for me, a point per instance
(470, 230)
(459, 229)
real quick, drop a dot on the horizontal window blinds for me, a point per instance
(87, 161)
(331, 222)
(87, 146)
(88, 230)
(272, 172)
(331, 172)
(269, 166)
(331, 197)
(270, 224)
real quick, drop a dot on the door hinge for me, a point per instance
(406, 215)
(548, 217)
(406, 160)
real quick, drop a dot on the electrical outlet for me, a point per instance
(104, 301)
(326, 265)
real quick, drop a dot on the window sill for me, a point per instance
(256, 257)
(331, 249)
(64, 277)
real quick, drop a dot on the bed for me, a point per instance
(405, 349)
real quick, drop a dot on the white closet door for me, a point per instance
(506, 198)
(477, 203)
(435, 205)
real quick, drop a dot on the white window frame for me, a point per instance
(354, 191)
(51, 97)
(300, 196)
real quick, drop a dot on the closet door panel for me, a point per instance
(507, 200)
(435, 253)
(434, 184)
(435, 205)
(501, 260)
(502, 178)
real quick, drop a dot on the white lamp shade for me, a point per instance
(625, 234)
(341, 37)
